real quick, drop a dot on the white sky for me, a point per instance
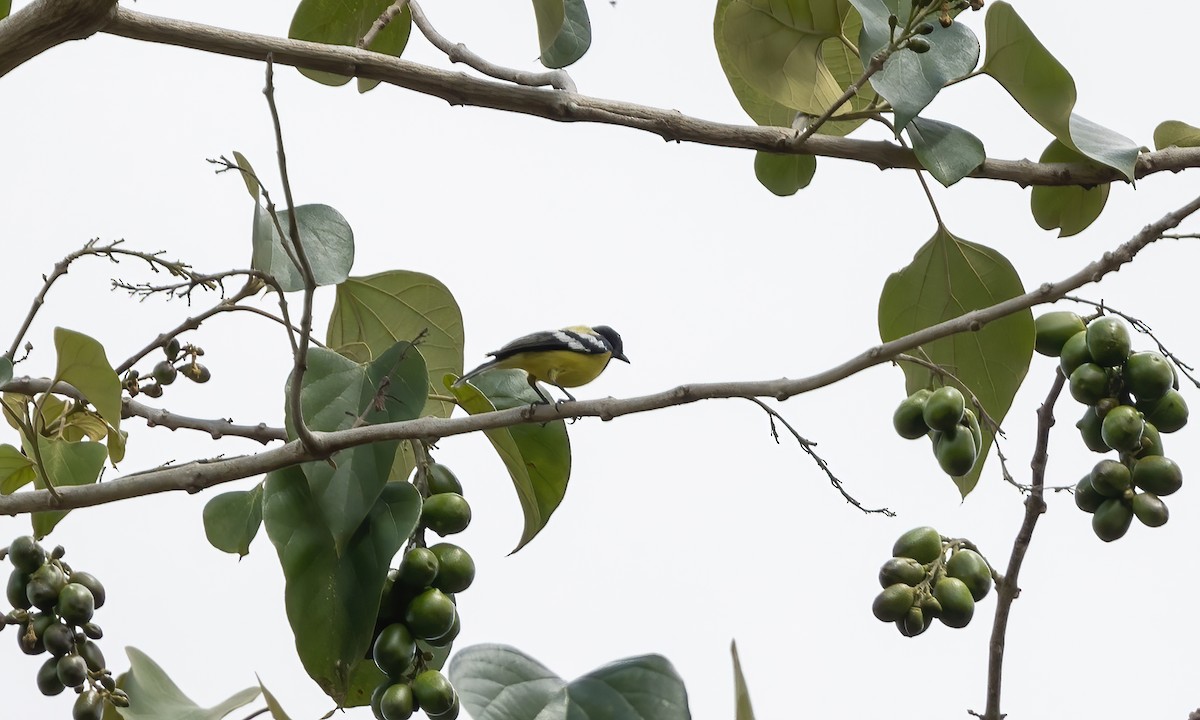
(683, 528)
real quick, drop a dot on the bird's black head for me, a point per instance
(614, 341)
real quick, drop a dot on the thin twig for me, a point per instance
(216, 428)
(385, 18)
(807, 446)
(1144, 328)
(1009, 589)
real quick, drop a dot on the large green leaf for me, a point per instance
(538, 456)
(337, 22)
(378, 310)
(1069, 208)
(784, 174)
(82, 363)
(232, 519)
(497, 682)
(273, 706)
(332, 600)
(1173, 133)
(16, 470)
(947, 151)
(947, 278)
(741, 694)
(327, 239)
(338, 394)
(154, 696)
(66, 464)
(909, 81)
(564, 31)
(1025, 68)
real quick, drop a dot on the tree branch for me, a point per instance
(459, 89)
(197, 476)
(42, 24)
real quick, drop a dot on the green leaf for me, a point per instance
(335, 22)
(947, 151)
(327, 239)
(378, 310)
(538, 457)
(6, 369)
(365, 677)
(564, 31)
(339, 394)
(82, 363)
(332, 600)
(154, 696)
(66, 464)
(249, 176)
(497, 682)
(5, 7)
(16, 470)
(273, 706)
(1171, 133)
(784, 174)
(947, 278)
(910, 81)
(741, 693)
(1043, 87)
(231, 520)
(1069, 208)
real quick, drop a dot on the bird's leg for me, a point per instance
(564, 390)
(533, 384)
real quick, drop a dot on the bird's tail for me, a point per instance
(486, 366)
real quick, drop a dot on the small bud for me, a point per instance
(918, 45)
(93, 631)
(58, 552)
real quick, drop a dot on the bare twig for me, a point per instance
(807, 446)
(460, 89)
(217, 428)
(1144, 328)
(385, 18)
(1009, 589)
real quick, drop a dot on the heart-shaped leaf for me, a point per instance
(564, 31)
(1069, 208)
(66, 464)
(343, 23)
(1171, 133)
(784, 174)
(947, 151)
(327, 239)
(232, 519)
(83, 363)
(16, 470)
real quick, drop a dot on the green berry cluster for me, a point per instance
(921, 584)
(944, 417)
(52, 609)
(166, 371)
(1132, 398)
(417, 612)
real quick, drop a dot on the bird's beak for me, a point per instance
(621, 357)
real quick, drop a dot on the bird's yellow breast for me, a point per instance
(563, 368)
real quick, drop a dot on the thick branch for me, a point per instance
(194, 477)
(459, 89)
(42, 24)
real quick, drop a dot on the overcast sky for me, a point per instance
(682, 529)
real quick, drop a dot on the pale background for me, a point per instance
(683, 528)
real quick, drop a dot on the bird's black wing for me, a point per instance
(545, 340)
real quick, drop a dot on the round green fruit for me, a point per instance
(1089, 383)
(90, 582)
(1074, 353)
(91, 654)
(956, 452)
(451, 634)
(893, 603)
(88, 706)
(972, 424)
(1168, 413)
(901, 570)
(1150, 509)
(1086, 497)
(439, 479)
(1054, 329)
(58, 639)
(1122, 428)
(1148, 375)
(72, 670)
(958, 606)
(26, 554)
(451, 714)
(394, 650)
(909, 420)
(1158, 475)
(430, 615)
(456, 569)
(76, 605)
(1108, 341)
(396, 702)
(446, 513)
(165, 373)
(172, 348)
(377, 698)
(48, 683)
(923, 544)
(44, 585)
(1151, 442)
(433, 692)
(970, 567)
(15, 591)
(1090, 426)
(1110, 478)
(944, 408)
(913, 623)
(1112, 519)
(418, 568)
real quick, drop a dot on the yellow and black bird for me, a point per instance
(564, 358)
